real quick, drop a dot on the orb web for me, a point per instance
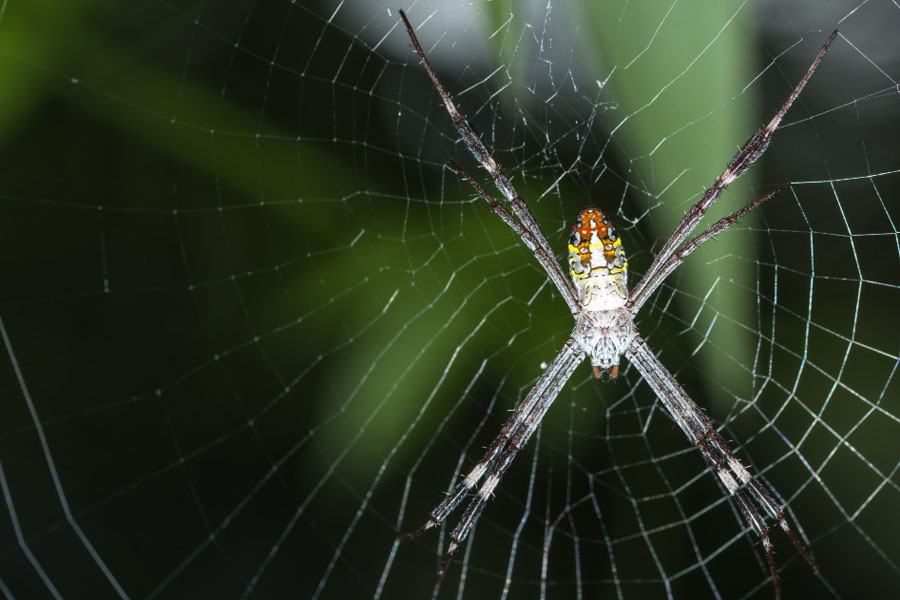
(255, 326)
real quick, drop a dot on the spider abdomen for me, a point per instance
(597, 261)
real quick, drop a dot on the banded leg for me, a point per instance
(700, 431)
(483, 156)
(742, 161)
(570, 361)
(550, 380)
(563, 284)
(655, 278)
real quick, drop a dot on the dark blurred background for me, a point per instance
(254, 326)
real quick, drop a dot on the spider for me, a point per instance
(603, 308)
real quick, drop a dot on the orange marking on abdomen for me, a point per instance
(589, 221)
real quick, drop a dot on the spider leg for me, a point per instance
(548, 261)
(637, 298)
(570, 361)
(555, 374)
(742, 161)
(700, 431)
(481, 153)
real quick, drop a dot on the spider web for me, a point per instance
(255, 327)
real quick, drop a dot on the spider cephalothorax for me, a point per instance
(603, 307)
(599, 270)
